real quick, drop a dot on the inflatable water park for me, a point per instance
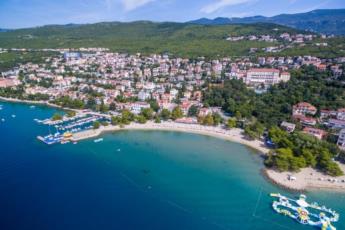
(308, 214)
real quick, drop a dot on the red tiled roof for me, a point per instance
(314, 130)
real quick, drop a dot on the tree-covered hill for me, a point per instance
(180, 39)
(145, 37)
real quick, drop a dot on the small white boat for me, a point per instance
(98, 140)
(13, 116)
(32, 107)
(3, 119)
(63, 142)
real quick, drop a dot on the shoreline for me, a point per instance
(306, 180)
(233, 135)
(43, 103)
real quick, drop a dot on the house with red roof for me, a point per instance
(6, 82)
(304, 108)
(305, 120)
(318, 133)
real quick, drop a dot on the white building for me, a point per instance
(137, 107)
(143, 95)
(265, 76)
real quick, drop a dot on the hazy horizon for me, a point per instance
(23, 14)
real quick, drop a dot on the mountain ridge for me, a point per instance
(327, 21)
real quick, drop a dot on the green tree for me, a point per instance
(217, 118)
(232, 122)
(154, 105)
(91, 103)
(96, 125)
(249, 133)
(157, 119)
(141, 119)
(254, 131)
(127, 117)
(283, 159)
(165, 114)
(280, 137)
(208, 120)
(147, 113)
(310, 159)
(193, 111)
(103, 108)
(296, 163)
(112, 106)
(56, 117)
(71, 113)
(176, 113)
(116, 120)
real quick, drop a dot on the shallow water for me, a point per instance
(134, 180)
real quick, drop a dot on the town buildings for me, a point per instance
(133, 81)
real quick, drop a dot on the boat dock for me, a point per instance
(69, 126)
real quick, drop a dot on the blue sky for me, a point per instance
(27, 13)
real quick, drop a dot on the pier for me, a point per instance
(68, 127)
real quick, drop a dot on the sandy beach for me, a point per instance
(235, 135)
(307, 179)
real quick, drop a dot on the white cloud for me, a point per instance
(219, 4)
(133, 4)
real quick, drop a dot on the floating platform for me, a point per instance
(98, 140)
(305, 213)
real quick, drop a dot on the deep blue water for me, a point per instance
(134, 180)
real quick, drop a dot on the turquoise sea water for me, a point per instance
(134, 180)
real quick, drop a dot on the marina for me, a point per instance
(67, 127)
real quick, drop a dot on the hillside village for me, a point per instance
(287, 41)
(97, 78)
